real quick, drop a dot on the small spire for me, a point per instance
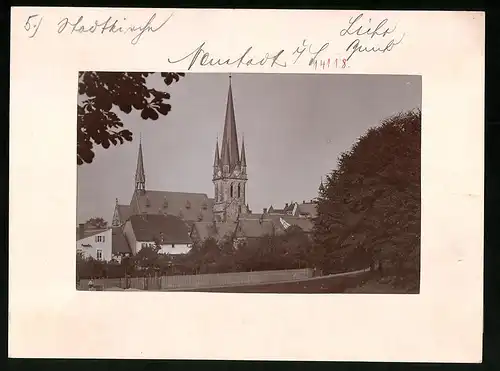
(321, 186)
(216, 157)
(116, 201)
(140, 176)
(243, 154)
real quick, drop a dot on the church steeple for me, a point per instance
(140, 176)
(230, 185)
(230, 152)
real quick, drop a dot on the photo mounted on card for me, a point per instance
(316, 166)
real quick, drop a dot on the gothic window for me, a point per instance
(231, 191)
(239, 191)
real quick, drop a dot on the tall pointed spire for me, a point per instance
(140, 176)
(225, 159)
(243, 154)
(230, 136)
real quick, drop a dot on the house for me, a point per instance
(147, 230)
(94, 242)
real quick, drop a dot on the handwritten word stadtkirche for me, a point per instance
(362, 35)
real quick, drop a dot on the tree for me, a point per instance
(101, 92)
(97, 222)
(369, 209)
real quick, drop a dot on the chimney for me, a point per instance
(264, 210)
(81, 231)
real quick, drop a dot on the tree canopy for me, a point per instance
(369, 208)
(100, 93)
(97, 222)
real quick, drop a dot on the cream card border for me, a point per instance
(48, 318)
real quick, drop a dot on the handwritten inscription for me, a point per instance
(363, 37)
(377, 38)
(32, 25)
(111, 25)
(202, 57)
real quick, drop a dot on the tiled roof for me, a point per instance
(148, 227)
(305, 224)
(119, 244)
(248, 228)
(89, 232)
(187, 206)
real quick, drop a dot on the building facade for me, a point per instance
(95, 243)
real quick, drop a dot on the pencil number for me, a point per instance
(32, 25)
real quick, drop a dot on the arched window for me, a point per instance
(239, 191)
(216, 193)
(231, 191)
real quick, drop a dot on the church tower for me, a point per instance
(230, 170)
(140, 176)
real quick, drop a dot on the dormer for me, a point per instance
(165, 203)
(204, 205)
(188, 204)
(148, 204)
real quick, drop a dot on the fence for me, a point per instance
(202, 280)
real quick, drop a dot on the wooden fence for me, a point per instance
(200, 280)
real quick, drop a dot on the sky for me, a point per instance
(294, 125)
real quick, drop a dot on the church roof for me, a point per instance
(187, 206)
(154, 226)
(119, 244)
(124, 211)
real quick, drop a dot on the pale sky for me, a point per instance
(295, 126)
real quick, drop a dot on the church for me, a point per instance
(225, 213)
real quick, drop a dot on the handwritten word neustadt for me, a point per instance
(111, 25)
(204, 58)
(376, 39)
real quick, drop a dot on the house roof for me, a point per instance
(149, 227)
(119, 244)
(87, 232)
(281, 221)
(187, 206)
(308, 208)
(248, 228)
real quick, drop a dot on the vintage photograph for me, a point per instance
(248, 182)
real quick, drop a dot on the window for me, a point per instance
(173, 245)
(99, 254)
(239, 191)
(99, 238)
(231, 191)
